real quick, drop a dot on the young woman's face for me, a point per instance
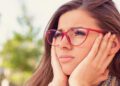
(69, 55)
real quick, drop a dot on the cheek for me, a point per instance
(79, 52)
(82, 51)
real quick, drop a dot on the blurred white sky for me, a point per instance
(42, 10)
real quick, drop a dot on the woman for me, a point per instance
(82, 46)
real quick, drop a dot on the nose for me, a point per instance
(65, 43)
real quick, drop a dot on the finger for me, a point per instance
(103, 46)
(107, 50)
(94, 49)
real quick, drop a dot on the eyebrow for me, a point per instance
(71, 28)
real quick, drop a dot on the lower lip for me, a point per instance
(67, 59)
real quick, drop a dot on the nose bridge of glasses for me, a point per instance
(65, 36)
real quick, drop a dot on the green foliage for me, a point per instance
(21, 53)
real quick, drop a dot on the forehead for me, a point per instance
(77, 18)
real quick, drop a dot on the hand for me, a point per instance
(59, 79)
(93, 69)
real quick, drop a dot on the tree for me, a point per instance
(22, 52)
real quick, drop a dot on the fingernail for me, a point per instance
(114, 36)
(109, 33)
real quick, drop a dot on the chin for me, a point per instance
(68, 68)
(67, 71)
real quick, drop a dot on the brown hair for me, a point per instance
(108, 17)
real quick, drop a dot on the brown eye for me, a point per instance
(57, 34)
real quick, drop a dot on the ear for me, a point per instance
(115, 46)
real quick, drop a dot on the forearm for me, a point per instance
(59, 83)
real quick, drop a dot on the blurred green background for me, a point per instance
(21, 54)
(22, 24)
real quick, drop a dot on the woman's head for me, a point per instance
(98, 16)
(75, 35)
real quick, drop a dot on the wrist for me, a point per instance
(59, 82)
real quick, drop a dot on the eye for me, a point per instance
(79, 33)
(57, 34)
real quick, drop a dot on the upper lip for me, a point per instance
(66, 56)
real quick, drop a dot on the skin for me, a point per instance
(75, 18)
(94, 55)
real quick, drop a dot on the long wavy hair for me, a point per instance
(108, 19)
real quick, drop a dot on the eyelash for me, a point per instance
(80, 33)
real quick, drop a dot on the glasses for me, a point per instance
(75, 36)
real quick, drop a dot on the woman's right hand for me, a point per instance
(59, 78)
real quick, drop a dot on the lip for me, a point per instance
(65, 58)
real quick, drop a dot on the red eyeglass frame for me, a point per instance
(65, 34)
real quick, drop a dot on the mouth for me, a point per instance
(65, 58)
